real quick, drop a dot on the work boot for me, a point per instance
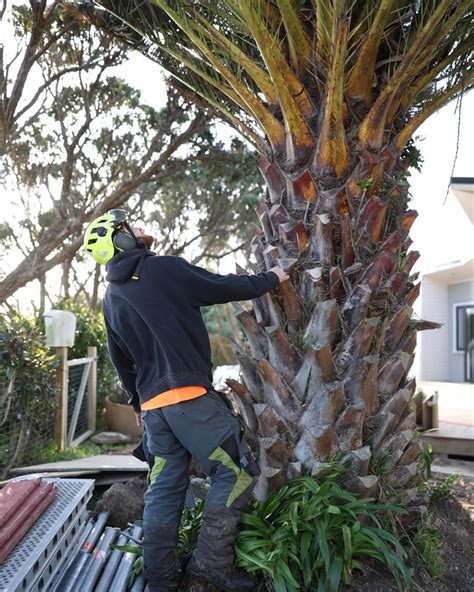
(228, 578)
(162, 570)
(213, 559)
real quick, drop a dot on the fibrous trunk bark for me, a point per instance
(326, 369)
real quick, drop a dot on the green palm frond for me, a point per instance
(267, 66)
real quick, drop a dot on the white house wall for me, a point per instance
(433, 353)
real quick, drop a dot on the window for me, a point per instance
(464, 326)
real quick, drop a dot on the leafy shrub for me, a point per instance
(189, 528)
(442, 490)
(311, 535)
(28, 391)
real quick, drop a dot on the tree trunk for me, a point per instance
(326, 370)
(42, 281)
(65, 277)
(95, 289)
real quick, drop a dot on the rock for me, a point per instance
(294, 470)
(124, 501)
(110, 438)
(364, 486)
(199, 487)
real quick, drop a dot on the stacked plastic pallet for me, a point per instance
(21, 504)
(45, 545)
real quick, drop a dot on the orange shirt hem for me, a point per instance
(177, 395)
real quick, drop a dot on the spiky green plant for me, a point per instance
(311, 535)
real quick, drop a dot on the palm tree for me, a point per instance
(330, 93)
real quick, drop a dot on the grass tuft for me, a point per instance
(429, 545)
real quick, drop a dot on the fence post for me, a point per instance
(92, 389)
(60, 424)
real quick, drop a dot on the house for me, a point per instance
(447, 297)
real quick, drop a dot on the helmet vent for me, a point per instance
(92, 241)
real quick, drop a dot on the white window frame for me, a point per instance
(455, 325)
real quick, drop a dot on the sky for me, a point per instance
(441, 231)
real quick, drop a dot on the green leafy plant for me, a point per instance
(189, 528)
(27, 391)
(365, 183)
(429, 545)
(311, 535)
(51, 453)
(427, 461)
(188, 535)
(443, 490)
(412, 155)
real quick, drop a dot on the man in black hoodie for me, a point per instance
(160, 348)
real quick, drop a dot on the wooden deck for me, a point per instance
(455, 434)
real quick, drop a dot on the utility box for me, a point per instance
(60, 328)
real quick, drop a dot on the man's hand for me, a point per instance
(138, 417)
(281, 273)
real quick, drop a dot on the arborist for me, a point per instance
(159, 345)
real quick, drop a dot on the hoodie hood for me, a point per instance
(127, 264)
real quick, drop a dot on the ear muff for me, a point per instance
(124, 241)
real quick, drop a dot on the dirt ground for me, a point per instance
(453, 517)
(462, 490)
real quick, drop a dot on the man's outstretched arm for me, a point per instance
(206, 288)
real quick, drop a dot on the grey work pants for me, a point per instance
(206, 429)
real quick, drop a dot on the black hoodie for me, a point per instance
(156, 336)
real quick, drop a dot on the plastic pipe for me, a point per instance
(120, 581)
(138, 584)
(98, 559)
(111, 567)
(76, 571)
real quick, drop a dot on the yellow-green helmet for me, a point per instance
(99, 237)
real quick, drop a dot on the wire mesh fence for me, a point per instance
(26, 427)
(31, 425)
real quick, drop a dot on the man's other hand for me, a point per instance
(281, 273)
(138, 417)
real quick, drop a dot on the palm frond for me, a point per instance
(299, 41)
(441, 99)
(277, 70)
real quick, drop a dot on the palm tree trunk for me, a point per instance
(326, 371)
